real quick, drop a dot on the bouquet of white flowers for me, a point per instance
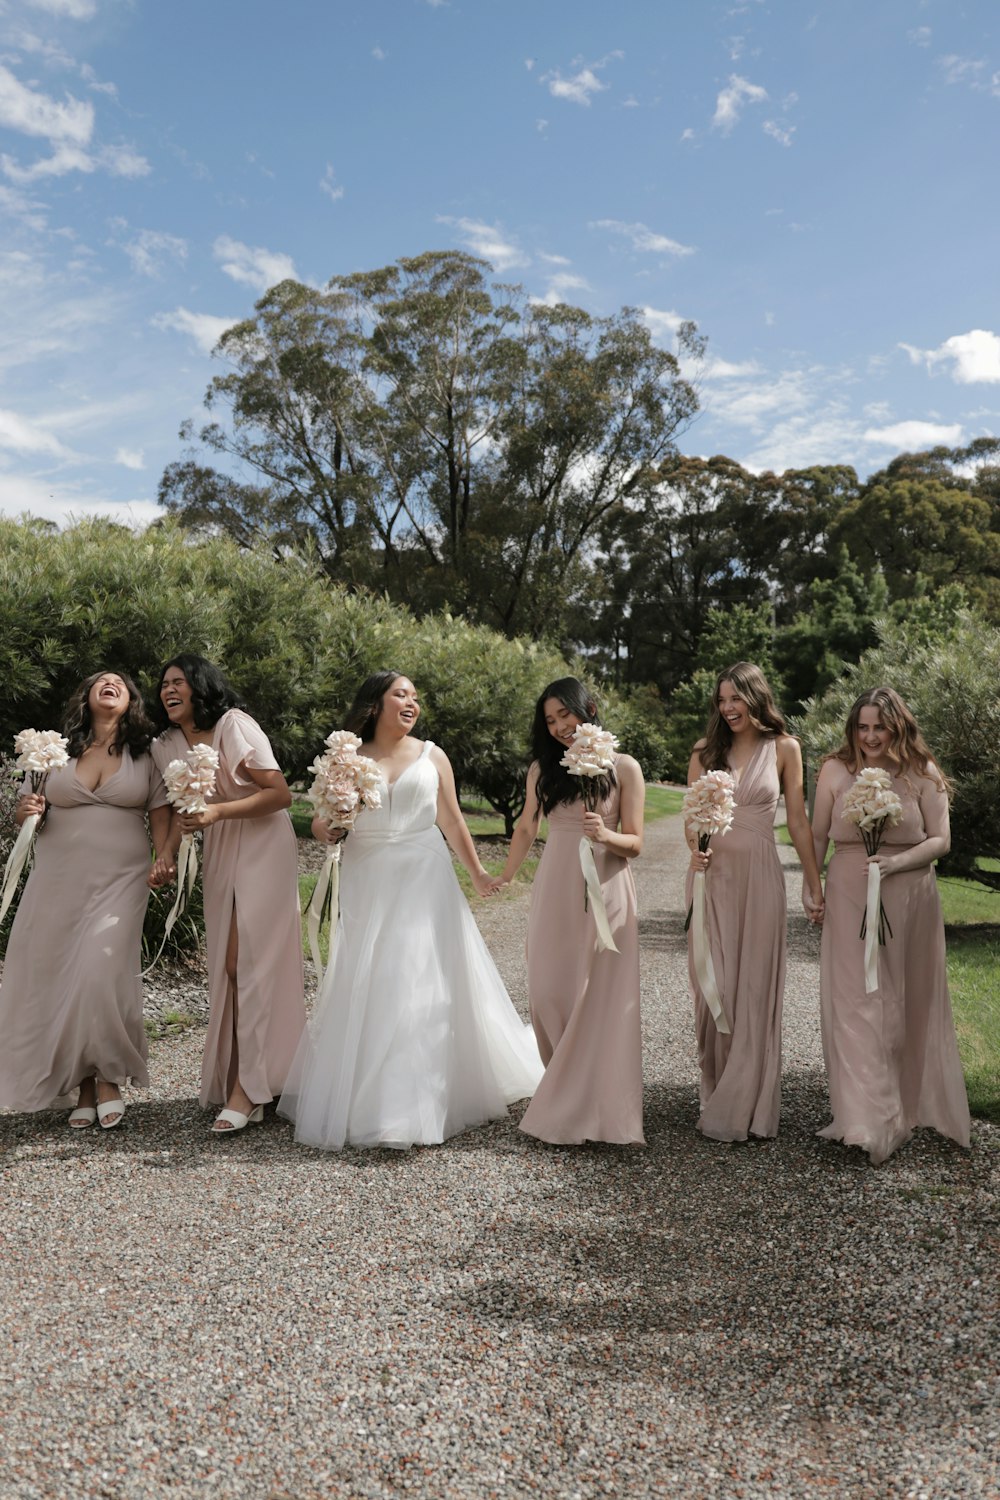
(189, 782)
(38, 751)
(590, 756)
(344, 782)
(872, 805)
(708, 805)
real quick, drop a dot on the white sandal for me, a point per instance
(82, 1117)
(236, 1121)
(111, 1107)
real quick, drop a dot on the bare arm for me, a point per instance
(271, 797)
(632, 808)
(525, 829)
(454, 827)
(937, 825)
(700, 859)
(165, 844)
(790, 773)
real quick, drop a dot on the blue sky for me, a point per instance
(814, 182)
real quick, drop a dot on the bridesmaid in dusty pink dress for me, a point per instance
(584, 999)
(71, 999)
(250, 882)
(745, 900)
(891, 1056)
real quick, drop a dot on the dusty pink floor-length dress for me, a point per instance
(250, 864)
(891, 1056)
(745, 910)
(584, 999)
(71, 998)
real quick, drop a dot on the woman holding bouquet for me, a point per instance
(250, 881)
(745, 901)
(414, 1037)
(71, 999)
(891, 1055)
(584, 997)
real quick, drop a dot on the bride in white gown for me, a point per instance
(414, 1037)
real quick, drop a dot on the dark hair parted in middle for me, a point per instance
(753, 687)
(212, 694)
(555, 784)
(135, 728)
(363, 714)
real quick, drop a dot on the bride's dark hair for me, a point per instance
(555, 784)
(363, 713)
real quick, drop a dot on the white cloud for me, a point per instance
(554, 260)
(329, 185)
(487, 241)
(64, 159)
(909, 437)
(23, 436)
(643, 238)
(152, 249)
(379, 54)
(730, 102)
(661, 324)
(578, 89)
(27, 210)
(541, 126)
(559, 284)
(75, 10)
(782, 134)
(130, 458)
(50, 501)
(122, 161)
(974, 357)
(529, 63)
(203, 328)
(35, 114)
(920, 36)
(252, 266)
(687, 134)
(962, 69)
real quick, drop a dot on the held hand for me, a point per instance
(32, 806)
(700, 859)
(485, 884)
(326, 832)
(194, 822)
(164, 872)
(887, 863)
(594, 828)
(814, 904)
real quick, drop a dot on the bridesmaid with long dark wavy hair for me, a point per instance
(250, 881)
(584, 998)
(745, 899)
(891, 1055)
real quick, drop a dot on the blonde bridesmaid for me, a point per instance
(891, 1056)
(250, 881)
(584, 999)
(71, 999)
(745, 900)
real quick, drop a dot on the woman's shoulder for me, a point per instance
(629, 765)
(699, 745)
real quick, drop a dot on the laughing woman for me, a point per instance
(745, 893)
(71, 999)
(249, 877)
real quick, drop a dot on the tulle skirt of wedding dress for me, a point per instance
(414, 1037)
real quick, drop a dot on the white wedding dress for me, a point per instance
(414, 1037)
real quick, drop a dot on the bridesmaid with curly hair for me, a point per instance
(891, 1056)
(71, 999)
(250, 882)
(745, 899)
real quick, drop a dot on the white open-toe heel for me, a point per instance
(82, 1117)
(236, 1121)
(111, 1107)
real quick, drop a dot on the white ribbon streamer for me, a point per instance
(702, 954)
(593, 882)
(871, 927)
(187, 874)
(16, 861)
(329, 881)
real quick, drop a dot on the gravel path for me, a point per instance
(184, 1317)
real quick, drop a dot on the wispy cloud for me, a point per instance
(909, 437)
(328, 184)
(29, 112)
(559, 284)
(973, 357)
(204, 329)
(780, 133)
(642, 238)
(488, 241)
(967, 70)
(731, 100)
(920, 36)
(252, 266)
(150, 250)
(20, 435)
(130, 458)
(581, 86)
(75, 10)
(662, 324)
